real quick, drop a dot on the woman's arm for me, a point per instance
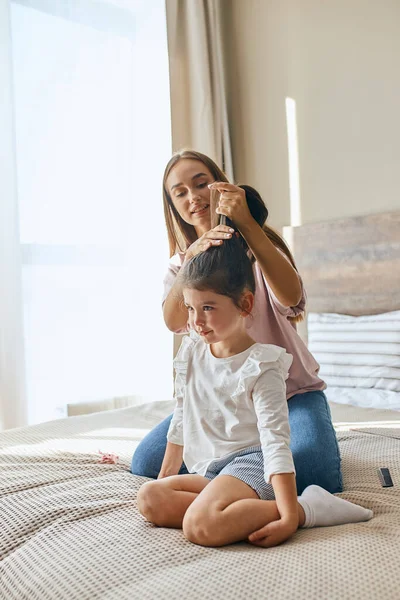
(281, 276)
(174, 311)
(172, 462)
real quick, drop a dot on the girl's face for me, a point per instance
(215, 317)
(187, 185)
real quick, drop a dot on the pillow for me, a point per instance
(359, 357)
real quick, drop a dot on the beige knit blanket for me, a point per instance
(70, 529)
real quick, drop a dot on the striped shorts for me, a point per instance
(246, 465)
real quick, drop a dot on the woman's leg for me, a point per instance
(149, 454)
(313, 443)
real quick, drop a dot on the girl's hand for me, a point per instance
(163, 474)
(172, 467)
(172, 461)
(274, 533)
(214, 237)
(232, 203)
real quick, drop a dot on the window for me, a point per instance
(92, 138)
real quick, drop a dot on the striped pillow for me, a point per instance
(359, 357)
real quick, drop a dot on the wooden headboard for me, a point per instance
(351, 265)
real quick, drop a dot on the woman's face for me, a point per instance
(187, 185)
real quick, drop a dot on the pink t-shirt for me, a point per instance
(269, 324)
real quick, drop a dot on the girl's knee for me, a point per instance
(148, 500)
(201, 527)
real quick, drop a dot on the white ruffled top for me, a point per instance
(224, 405)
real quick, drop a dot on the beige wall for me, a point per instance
(339, 61)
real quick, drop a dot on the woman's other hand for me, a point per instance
(213, 237)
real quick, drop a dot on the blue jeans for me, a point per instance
(313, 443)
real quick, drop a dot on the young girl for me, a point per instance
(188, 181)
(230, 424)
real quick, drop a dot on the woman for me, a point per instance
(279, 302)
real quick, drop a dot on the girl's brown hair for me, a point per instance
(181, 235)
(226, 270)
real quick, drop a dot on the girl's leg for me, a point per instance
(164, 502)
(322, 509)
(313, 443)
(149, 454)
(228, 511)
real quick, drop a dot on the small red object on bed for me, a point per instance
(108, 457)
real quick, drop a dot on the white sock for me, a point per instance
(323, 509)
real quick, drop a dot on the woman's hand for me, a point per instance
(275, 532)
(232, 203)
(213, 237)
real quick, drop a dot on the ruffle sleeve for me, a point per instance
(263, 357)
(175, 431)
(263, 376)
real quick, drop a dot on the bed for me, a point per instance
(70, 528)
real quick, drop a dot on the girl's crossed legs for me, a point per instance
(233, 502)
(211, 513)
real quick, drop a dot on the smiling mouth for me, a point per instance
(200, 210)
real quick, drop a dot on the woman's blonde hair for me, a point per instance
(181, 235)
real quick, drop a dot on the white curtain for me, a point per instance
(92, 134)
(13, 408)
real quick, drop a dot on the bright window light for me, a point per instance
(294, 172)
(93, 137)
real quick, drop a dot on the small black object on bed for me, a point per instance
(384, 477)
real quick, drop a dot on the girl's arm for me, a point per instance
(281, 276)
(173, 456)
(279, 531)
(172, 462)
(285, 491)
(270, 404)
(271, 408)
